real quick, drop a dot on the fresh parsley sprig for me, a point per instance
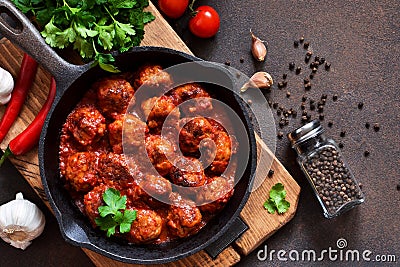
(277, 200)
(94, 28)
(115, 213)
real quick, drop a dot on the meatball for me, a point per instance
(157, 190)
(184, 218)
(153, 76)
(113, 167)
(187, 172)
(201, 100)
(192, 133)
(114, 95)
(146, 227)
(92, 201)
(134, 131)
(86, 124)
(223, 152)
(156, 110)
(159, 150)
(216, 194)
(80, 171)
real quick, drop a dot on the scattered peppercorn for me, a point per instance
(311, 76)
(228, 63)
(298, 70)
(280, 135)
(376, 127)
(330, 124)
(366, 153)
(288, 94)
(398, 187)
(303, 98)
(270, 173)
(294, 113)
(367, 125)
(341, 145)
(306, 45)
(322, 60)
(360, 105)
(280, 85)
(342, 133)
(309, 53)
(275, 105)
(314, 70)
(296, 43)
(327, 66)
(241, 60)
(306, 80)
(321, 117)
(307, 86)
(284, 76)
(312, 106)
(291, 65)
(303, 106)
(334, 97)
(312, 101)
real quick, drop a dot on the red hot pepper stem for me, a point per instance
(23, 83)
(26, 140)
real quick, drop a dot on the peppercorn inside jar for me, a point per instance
(325, 168)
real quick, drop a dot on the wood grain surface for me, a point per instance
(261, 223)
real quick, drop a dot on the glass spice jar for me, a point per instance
(329, 175)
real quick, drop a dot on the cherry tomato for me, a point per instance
(205, 22)
(173, 8)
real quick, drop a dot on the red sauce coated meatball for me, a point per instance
(81, 172)
(146, 227)
(187, 172)
(223, 152)
(184, 218)
(217, 192)
(114, 167)
(193, 132)
(114, 95)
(86, 124)
(153, 76)
(159, 150)
(157, 109)
(200, 99)
(92, 201)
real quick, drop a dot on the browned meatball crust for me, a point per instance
(157, 109)
(153, 76)
(114, 167)
(146, 227)
(159, 150)
(184, 218)
(86, 124)
(217, 192)
(201, 101)
(187, 172)
(114, 95)
(134, 130)
(81, 171)
(92, 201)
(192, 133)
(223, 152)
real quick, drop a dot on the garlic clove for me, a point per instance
(6, 82)
(5, 99)
(21, 221)
(258, 48)
(261, 79)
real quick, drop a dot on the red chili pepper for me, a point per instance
(26, 140)
(24, 82)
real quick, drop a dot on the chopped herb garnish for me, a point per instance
(277, 201)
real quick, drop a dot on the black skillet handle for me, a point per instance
(24, 34)
(237, 228)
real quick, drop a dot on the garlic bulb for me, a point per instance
(21, 221)
(6, 86)
(261, 79)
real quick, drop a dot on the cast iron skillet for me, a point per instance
(72, 82)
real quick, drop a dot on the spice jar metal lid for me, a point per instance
(305, 132)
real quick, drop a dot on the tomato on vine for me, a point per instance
(173, 8)
(205, 22)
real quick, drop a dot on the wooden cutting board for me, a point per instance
(261, 223)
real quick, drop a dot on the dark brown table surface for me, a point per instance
(361, 41)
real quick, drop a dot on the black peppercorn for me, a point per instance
(360, 105)
(307, 86)
(301, 39)
(296, 43)
(376, 127)
(330, 124)
(275, 105)
(298, 70)
(327, 66)
(309, 53)
(280, 135)
(366, 153)
(291, 65)
(398, 187)
(228, 63)
(303, 98)
(284, 76)
(322, 60)
(287, 94)
(334, 97)
(341, 145)
(306, 45)
(342, 133)
(306, 80)
(270, 173)
(321, 117)
(311, 76)
(367, 125)
(241, 60)
(312, 106)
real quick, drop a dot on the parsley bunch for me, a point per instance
(111, 215)
(277, 200)
(92, 27)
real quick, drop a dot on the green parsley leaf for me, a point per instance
(277, 200)
(114, 213)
